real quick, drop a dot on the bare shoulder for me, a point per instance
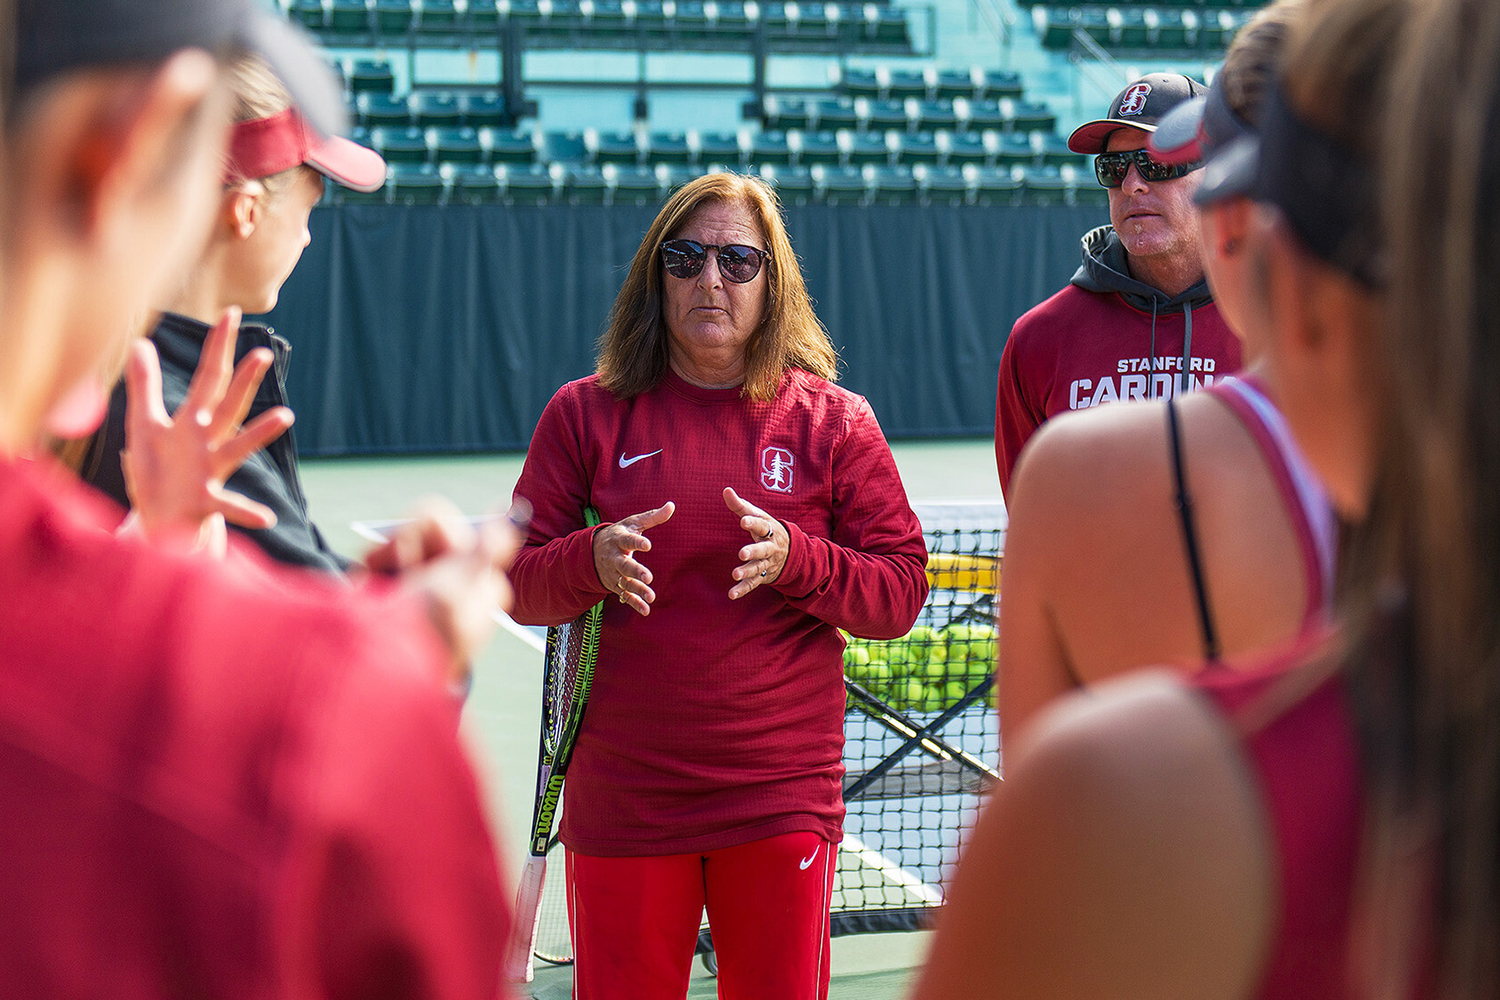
(1124, 856)
(1091, 453)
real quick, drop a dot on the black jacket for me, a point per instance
(268, 476)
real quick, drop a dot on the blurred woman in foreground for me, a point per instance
(1327, 827)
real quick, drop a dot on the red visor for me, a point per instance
(266, 146)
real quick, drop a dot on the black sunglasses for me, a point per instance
(1111, 168)
(737, 263)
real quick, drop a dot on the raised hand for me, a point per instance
(175, 466)
(457, 569)
(615, 546)
(762, 561)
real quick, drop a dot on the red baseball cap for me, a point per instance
(265, 146)
(1139, 106)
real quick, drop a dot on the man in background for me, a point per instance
(1138, 320)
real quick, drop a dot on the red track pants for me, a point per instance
(635, 920)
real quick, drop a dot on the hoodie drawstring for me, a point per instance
(1187, 348)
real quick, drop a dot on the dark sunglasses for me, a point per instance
(737, 263)
(1111, 168)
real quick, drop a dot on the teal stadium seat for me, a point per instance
(868, 147)
(1175, 29)
(674, 175)
(916, 147)
(965, 83)
(1028, 116)
(349, 17)
(1010, 149)
(770, 147)
(860, 82)
(938, 114)
(634, 185)
(881, 115)
(613, 147)
(437, 17)
(374, 109)
(785, 113)
(893, 185)
(668, 147)
(994, 185)
(901, 84)
(1128, 27)
(437, 110)
(459, 145)
(941, 185)
(512, 146)
(840, 185)
(1044, 186)
(401, 145)
(1000, 83)
(475, 185)
(717, 148)
(416, 184)
(818, 147)
(526, 184)
(981, 115)
(309, 13)
(482, 109)
(964, 147)
(372, 76)
(563, 147)
(483, 18)
(1055, 152)
(794, 185)
(584, 184)
(835, 113)
(393, 18)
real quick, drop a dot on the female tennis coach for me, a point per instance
(751, 508)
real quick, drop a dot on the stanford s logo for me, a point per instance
(1134, 101)
(776, 469)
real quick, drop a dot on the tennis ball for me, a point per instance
(932, 698)
(897, 653)
(858, 655)
(936, 671)
(956, 690)
(878, 672)
(914, 694)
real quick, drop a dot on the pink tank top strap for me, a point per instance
(1298, 738)
(1306, 502)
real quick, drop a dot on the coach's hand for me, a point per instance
(761, 561)
(615, 546)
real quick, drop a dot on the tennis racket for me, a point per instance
(572, 651)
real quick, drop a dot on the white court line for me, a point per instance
(893, 872)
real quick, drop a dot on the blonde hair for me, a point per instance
(633, 351)
(256, 92)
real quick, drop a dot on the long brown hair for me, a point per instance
(633, 349)
(1417, 84)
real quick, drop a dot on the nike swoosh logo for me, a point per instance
(803, 864)
(626, 463)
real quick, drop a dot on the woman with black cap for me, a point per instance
(1188, 530)
(1323, 825)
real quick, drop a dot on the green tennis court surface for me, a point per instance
(500, 719)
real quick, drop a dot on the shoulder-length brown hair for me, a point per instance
(633, 350)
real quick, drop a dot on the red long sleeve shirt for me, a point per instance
(225, 784)
(715, 722)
